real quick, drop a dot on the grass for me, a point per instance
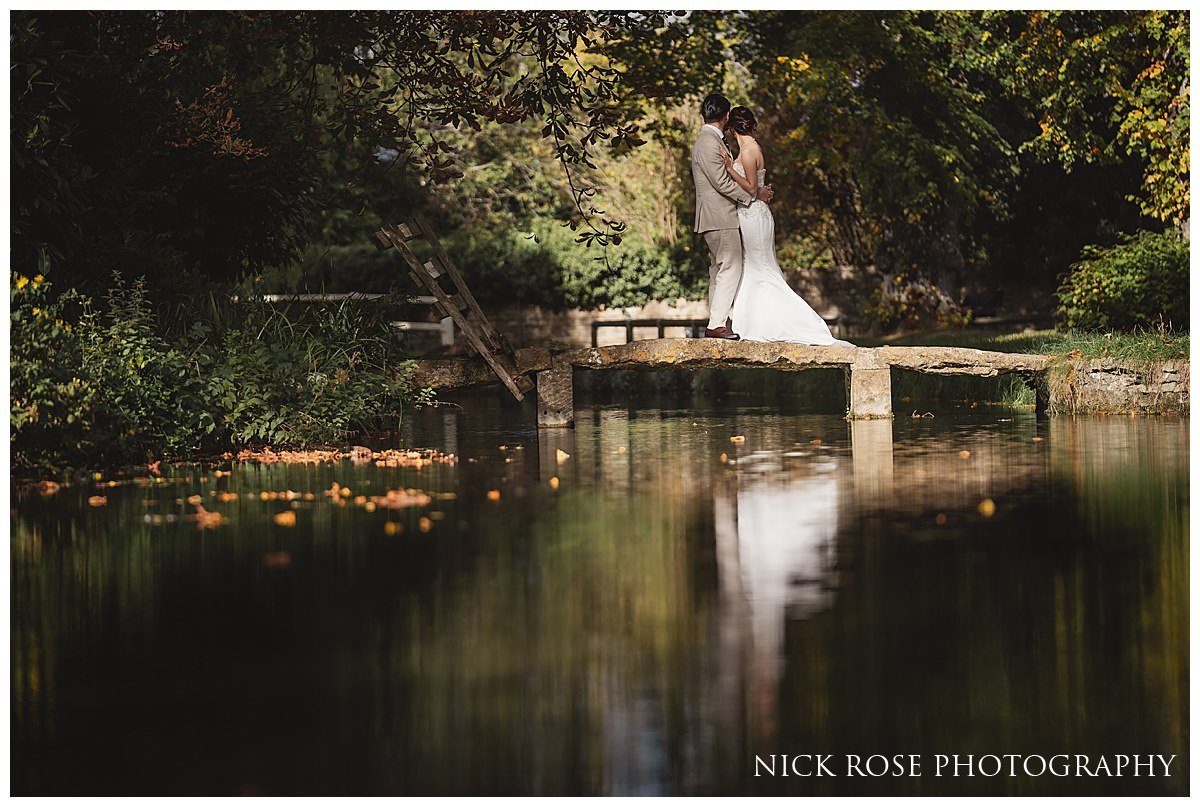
(1145, 346)
(920, 390)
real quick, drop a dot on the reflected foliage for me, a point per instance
(590, 638)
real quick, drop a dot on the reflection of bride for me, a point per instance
(775, 557)
(785, 551)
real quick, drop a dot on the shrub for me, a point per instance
(901, 303)
(293, 375)
(1140, 282)
(545, 266)
(111, 386)
(50, 399)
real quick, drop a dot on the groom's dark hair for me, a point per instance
(714, 107)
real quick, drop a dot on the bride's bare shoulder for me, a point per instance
(752, 149)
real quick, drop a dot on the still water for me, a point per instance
(976, 583)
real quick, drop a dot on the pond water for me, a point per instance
(639, 617)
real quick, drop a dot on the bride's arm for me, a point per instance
(748, 184)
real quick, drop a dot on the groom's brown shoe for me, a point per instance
(720, 333)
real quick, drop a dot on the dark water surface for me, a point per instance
(647, 627)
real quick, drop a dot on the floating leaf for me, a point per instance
(987, 508)
(285, 519)
(206, 519)
(278, 560)
(97, 501)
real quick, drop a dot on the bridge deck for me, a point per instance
(868, 370)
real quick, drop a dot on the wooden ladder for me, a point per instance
(441, 278)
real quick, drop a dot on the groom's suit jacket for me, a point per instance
(716, 194)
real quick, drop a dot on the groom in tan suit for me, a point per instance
(717, 199)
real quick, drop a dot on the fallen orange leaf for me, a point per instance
(278, 560)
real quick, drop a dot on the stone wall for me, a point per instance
(1115, 387)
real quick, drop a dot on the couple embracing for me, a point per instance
(746, 286)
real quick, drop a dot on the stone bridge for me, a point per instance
(868, 370)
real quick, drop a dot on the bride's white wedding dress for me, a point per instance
(765, 308)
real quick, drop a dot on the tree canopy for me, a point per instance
(959, 147)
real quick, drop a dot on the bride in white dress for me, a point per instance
(765, 308)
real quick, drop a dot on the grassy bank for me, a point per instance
(1143, 346)
(913, 388)
(106, 382)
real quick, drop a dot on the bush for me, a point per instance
(1141, 282)
(118, 386)
(545, 266)
(294, 375)
(50, 399)
(901, 303)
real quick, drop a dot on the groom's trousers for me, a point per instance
(724, 273)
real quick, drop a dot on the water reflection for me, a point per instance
(648, 626)
(775, 556)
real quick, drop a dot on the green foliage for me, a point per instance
(1104, 86)
(901, 303)
(545, 266)
(146, 404)
(1141, 282)
(50, 399)
(126, 382)
(293, 376)
(198, 140)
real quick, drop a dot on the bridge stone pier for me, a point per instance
(868, 370)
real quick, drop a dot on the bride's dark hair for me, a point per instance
(742, 120)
